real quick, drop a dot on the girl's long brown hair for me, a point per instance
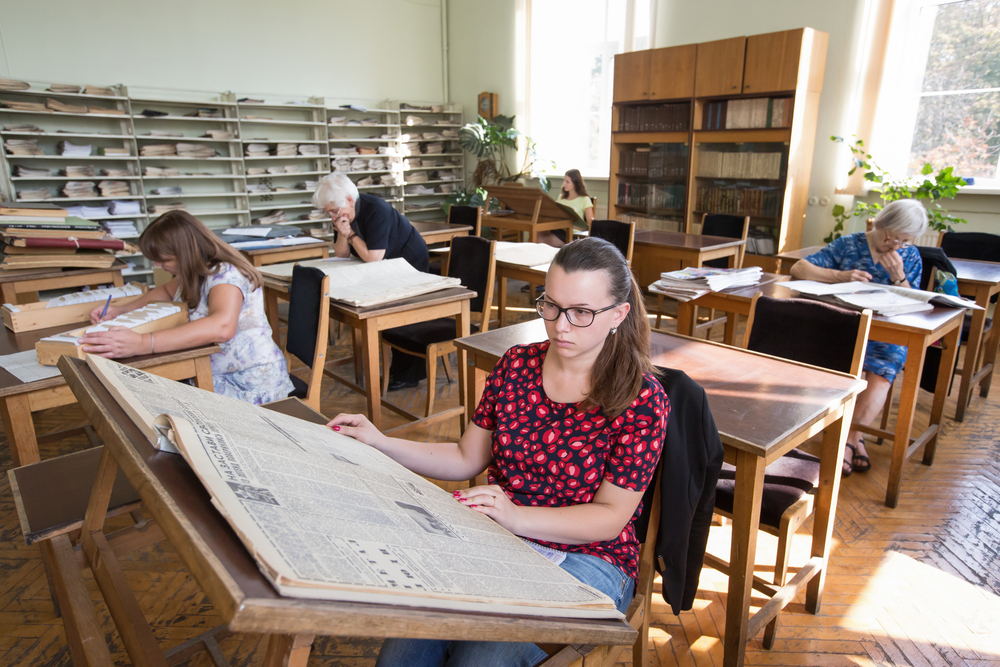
(197, 251)
(616, 378)
(581, 189)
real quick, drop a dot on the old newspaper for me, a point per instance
(328, 517)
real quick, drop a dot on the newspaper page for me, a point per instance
(373, 283)
(814, 288)
(328, 517)
(327, 265)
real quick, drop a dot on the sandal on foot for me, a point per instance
(846, 472)
(866, 464)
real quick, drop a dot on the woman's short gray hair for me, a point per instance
(334, 189)
(903, 216)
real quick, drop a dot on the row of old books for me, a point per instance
(760, 242)
(735, 200)
(73, 171)
(44, 236)
(655, 118)
(78, 190)
(282, 150)
(275, 171)
(651, 223)
(179, 149)
(651, 195)
(718, 164)
(760, 112)
(660, 161)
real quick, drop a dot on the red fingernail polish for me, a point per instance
(473, 505)
(336, 428)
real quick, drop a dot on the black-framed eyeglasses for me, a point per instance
(578, 317)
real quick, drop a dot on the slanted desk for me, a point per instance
(229, 575)
(30, 281)
(277, 254)
(18, 400)
(534, 212)
(370, 321)
(763, 407)
(788, 258)
(981, 280)
(916, 331)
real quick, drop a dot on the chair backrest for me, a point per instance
(308, 313)
(972, 245)
(730, 226)
(621, 234)
(467, 215)
(809, 332)
(473, 261)
(932, 259)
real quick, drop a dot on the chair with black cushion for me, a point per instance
(473, 262)
(308, 328)
(811, 333)
(729, 226)
(621, 234)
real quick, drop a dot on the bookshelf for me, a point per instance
(433, 163)
(284, 151)
(751, 105)
(365, 145)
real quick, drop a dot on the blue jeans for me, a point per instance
(591, 570)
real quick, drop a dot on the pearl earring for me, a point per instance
(614, 330)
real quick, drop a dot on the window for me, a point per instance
(572, 46)
(940, 101)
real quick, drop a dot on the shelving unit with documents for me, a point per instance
(365, 146)
(285, 152)
(433, 163)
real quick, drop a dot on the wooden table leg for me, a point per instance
(730, 336)
(502, 300)
(203, 374)
(359, 371)
(685, 318)
(827, 491)
(9, 293)
(271, 312)
(951, 343)
(288, 650)
(972, 348)
(117, 279)
(990, 358)
(369, 359)
(916, 350)
(462, 328)
(20, 430)
(746, 521)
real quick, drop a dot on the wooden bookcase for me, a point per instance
(752, 106)
(423, 125)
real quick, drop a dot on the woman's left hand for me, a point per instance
(115, 343)
(893, 264)
(343, 226)
(493, 502)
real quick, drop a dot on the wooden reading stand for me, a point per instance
(534, 212)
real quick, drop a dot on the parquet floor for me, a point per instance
(914, 586)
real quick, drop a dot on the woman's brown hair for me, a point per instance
(578, 186)
(616, 378)
(197, 251)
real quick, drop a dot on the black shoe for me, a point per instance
(396, 385)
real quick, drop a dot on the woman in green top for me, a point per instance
(574, 195)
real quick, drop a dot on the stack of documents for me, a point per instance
(885, 300)
(114, 189)
(66, 148)
(195, 150)
(690, 283)
(80, 190)
(23, 147)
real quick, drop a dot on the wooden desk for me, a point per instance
(656, 252)
(533, 275)
(293, 253)
(230, 577)
(980, 280)
(440, 232)
(786, 259)
(370, 321)
(916, 331)
(534, 212)
(18, 400)
(763, 407)
(29, 282)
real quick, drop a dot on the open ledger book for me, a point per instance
(886, 300)
(328, 517)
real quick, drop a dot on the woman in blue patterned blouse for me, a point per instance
(886, 256)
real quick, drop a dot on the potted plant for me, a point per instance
(934, 187)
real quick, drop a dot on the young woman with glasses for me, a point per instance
(569, 431)
(885, 255)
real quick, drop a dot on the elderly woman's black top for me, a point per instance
(382, 227)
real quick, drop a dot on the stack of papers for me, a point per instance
(114, 189)
(690, 283)
(127, 207)
(67, 148)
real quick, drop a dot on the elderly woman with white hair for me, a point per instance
(885, 255)
(367, 225)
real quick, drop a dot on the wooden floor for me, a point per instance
(914, 586)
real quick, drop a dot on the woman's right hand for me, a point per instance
(113, 312)
(853, 275)
(359, 428)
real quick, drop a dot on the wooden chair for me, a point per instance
(473, 261)
(467, 215)
(308, 330)
(812, 333)
(622, 234)
(729, 226)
